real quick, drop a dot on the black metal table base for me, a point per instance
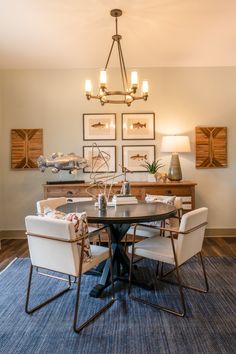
(141, 277)
(137, 279)
(120, 263)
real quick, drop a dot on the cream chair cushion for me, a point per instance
(188, 244)
(56, 255)
(157, 248)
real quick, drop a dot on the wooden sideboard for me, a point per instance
(184, 189)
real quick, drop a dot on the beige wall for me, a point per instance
(182, 98)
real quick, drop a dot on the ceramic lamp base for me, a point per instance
(175, 173)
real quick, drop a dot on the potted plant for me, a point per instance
(152, 168)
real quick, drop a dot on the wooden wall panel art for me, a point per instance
(211, 147)
(26, 147)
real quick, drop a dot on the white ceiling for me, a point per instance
(77, 34)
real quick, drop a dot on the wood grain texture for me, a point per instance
(184, 189)
(26, 147)
(211, 147)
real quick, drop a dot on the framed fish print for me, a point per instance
(134, 156)
(100, 158)
(138, 126)
(99, 126)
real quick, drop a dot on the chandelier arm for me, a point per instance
(123, 69)
(109, 55)
(144, 97)
(116, 101)
(94, 96)
(111, 93)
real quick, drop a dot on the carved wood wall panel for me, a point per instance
(26, 147)
(211, 147)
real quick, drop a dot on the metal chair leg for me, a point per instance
(52, 276)
(166, 309)
(200, 290)
(29, 311)
(157, 269)
(131, 260)
(76, 328)
(204, 274)
(126, 243)
(157, 306)
(99, 237)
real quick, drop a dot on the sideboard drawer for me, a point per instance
(64, 191)
(183, 189)
(177, 190)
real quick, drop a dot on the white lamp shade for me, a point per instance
(175, 143)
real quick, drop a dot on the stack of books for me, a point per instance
(119, 199)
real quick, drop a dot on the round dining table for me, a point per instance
(118, 220)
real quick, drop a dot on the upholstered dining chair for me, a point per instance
(150, 229)
(53, 203)
(153, 228)
(54, 245)
(175, 252)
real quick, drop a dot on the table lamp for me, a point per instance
(175, 144)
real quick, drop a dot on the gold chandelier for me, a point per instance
(128, 92)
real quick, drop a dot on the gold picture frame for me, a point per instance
(99, 126)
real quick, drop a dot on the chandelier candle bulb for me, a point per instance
(145, 88)
(88, 87)
(103, 78)
(134, 79)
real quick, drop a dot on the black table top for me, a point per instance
(121, 214)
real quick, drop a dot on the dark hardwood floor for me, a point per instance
(12, 249)
(213, 246)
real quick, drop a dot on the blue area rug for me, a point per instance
(127, 327)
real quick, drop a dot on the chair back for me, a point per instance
(51, 244)
(52, 203)
(192, 231)
(176, 201)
